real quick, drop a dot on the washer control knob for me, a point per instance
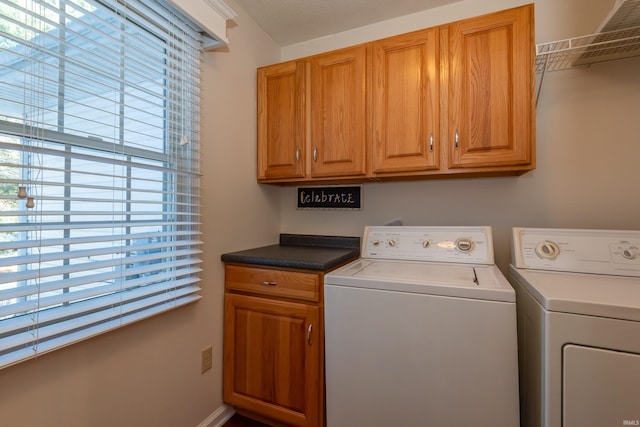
(425, 244)
(630, 252)
(547, 250)
(376, 242)
(393, 243)
(464, 245)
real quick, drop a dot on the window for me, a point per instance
(99, 168)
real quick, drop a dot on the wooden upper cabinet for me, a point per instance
(491, 86)
(281, 120)
(454, 99)
(406, 103)
(338, 97)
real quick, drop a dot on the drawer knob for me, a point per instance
(268, 283)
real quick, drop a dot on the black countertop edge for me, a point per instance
(306, 252)
(298, 264)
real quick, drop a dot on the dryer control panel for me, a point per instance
(615, 252)
(473, 245)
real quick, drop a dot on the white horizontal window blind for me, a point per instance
(99, 168)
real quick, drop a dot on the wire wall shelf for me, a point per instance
(587, 50)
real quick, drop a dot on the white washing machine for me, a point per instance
(421, 332)
(578, 298)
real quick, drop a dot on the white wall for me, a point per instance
(588, 145)
(237, 212)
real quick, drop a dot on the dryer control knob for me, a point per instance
(630, 252)
(464, 245)
(393, 243)
(547, 250)
(425, 244)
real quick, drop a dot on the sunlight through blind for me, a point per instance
(99, 168)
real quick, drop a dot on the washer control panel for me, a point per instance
(472, 245)
(615, 252)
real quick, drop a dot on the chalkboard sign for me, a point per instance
(334, 197)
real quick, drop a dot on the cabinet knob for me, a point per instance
(297, 155)
(315, 154)
(457, 140)
(309, 329)
(431, 142)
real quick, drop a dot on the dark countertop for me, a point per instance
(301, 251)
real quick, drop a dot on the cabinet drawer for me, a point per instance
(278, 283)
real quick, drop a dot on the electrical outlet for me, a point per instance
(206, 359)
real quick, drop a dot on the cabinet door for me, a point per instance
(272, 358)
(281, 120)
(406, 103)
(338, 113)
(491, 96)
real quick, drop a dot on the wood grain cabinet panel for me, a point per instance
(406, 103)
(281, 120)
(338, 112)
(272, 357)
(491, 87)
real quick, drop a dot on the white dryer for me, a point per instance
(421, 332)
(578, 300)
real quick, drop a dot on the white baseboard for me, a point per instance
(218, 417)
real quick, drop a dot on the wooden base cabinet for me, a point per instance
(273, 344)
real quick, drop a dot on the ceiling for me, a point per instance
(293, 21)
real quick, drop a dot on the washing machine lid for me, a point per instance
(484, 282)
(616, 297)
